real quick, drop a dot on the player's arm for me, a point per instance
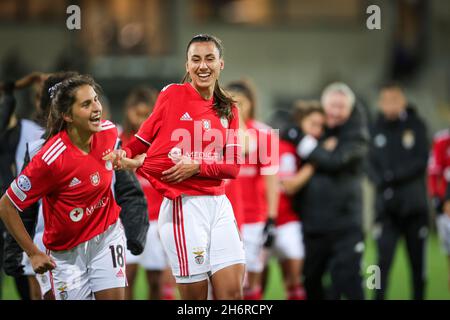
(8, 213)
(227, 169)
(293, 184)
(133, 154)
(232, 154)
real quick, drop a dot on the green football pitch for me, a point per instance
(437, 286)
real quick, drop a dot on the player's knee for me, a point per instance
(230, 294)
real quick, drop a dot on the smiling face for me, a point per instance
(313, 124)
(204, 65)
(86, 111)
(337, 108)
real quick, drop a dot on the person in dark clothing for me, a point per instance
(14, 133)
(397, 165)
(330, 205)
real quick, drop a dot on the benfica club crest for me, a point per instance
(199, 255)
(95, 179)
(206, 124)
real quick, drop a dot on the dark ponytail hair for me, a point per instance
(45, 101)
(222, 101)
(63, 96)
(246, 88)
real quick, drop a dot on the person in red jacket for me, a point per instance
(191, 146)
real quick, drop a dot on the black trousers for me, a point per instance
(414, 229)
(340, 253)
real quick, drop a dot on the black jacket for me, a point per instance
(397, 164)
(332, 199)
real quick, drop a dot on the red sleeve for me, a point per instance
(34, 182)
(149, 129)
(435, 167)
(229, 166)
(268, 151)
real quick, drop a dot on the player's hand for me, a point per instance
(116, 158)
(269, 232)
(42, 263)
(330, 144)
(184, 168)
(121, 162)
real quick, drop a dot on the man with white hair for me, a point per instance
(331, 203)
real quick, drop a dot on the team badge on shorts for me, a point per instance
(199, 255)
(206, 124)
(95, 179)
(224, 122)
(63, 292)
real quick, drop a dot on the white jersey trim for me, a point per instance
(12, 201)
(51, 148)
(142, 139)
(16, 190)
(56, 150)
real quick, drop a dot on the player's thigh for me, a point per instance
(154, 258)
(443, 226)
(107, 268)
(184, 228)
(252, 234)
(289, 241)
(226, 243)
(69, 280)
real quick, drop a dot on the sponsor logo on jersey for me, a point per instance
(186, 117)
(75, 181)
(76, 214)
(206, 124)
(199, 255)
(224, 122)
(95, 179)
(175, 154)
(103, 202)
(24, 183)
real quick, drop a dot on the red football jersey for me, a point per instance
(288, 167)
(184, 123)
(75, 188)
(154, 198)
(257, 162)
(439, 164)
